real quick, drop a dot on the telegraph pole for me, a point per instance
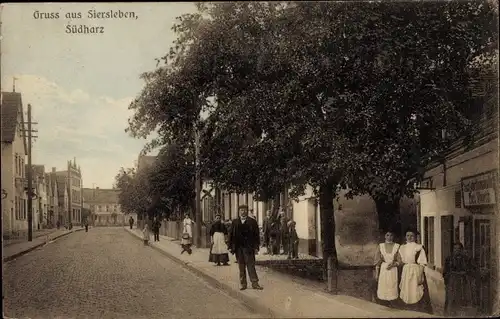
(30, 180)
(29, 176)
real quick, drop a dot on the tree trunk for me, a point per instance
(330, 262)
(389, 218)
(275, 206)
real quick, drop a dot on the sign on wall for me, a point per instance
(479, 190)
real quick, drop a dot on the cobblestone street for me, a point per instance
(106, 273)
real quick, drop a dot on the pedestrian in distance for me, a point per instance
(145, 234)
(86, 225)
(266, 226)
(156, 229)
(218, 249)
(244, 242)
(386, 271)
(131, 222)
(187, 234)
(293, 238)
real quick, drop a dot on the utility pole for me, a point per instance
(30, 179)
(198, 216)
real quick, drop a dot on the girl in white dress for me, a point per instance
(187, 234)
(386, 271)
(413, 286)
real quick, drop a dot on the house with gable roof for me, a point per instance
(14, 152)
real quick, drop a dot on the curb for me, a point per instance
(14, 256)
(248, 302)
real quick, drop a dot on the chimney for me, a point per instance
(53, 169)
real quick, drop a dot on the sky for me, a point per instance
(80, 85)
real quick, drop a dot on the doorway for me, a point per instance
(482, 258)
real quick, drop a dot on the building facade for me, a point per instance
(73, 176)
(52, 199)
(40, 201)
(104, 207)
(14, 151)
(461, 205)
(61, 189)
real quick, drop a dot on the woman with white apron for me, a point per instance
(386, 271)
(414, 291)
(219, 253)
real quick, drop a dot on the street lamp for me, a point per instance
(4, 194)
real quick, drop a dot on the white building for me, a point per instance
(460, 204)
(14, 149)
(104, 206)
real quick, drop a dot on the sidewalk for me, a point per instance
(281, 297)
(24, 237)
(15, 250)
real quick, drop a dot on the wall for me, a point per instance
(18, 147)
(352, 217)
(8, 205)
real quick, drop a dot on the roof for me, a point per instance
(145, 161)
(99, 195)
(11, 105)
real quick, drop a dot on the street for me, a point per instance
(106, 273)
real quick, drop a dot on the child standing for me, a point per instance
(145, 233)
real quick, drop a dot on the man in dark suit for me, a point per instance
(244, 241)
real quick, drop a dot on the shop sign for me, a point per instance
(479, 190)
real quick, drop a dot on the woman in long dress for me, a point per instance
(414, 291)
(187, 234)
(218, 251)
(459, 278)
(386, 271)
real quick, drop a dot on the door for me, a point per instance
(482, 257)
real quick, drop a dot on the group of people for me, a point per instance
(280, 234)
(156, 225)
(401, 280)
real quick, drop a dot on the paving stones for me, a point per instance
(106, 273)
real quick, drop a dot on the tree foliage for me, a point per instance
(329, 94)
(164, 188)
(134, 195)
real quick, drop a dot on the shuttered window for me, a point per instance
(429, 238)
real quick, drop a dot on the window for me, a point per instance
(18, 215)
(429, 238)
(17, 165)
(458, 199)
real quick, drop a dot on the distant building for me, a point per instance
(40, 203)
(73, 176)
(52, 199)
(144, 162)
(61, 188)
(14, 151)
(104, 207)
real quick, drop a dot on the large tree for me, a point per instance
(325, 94)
